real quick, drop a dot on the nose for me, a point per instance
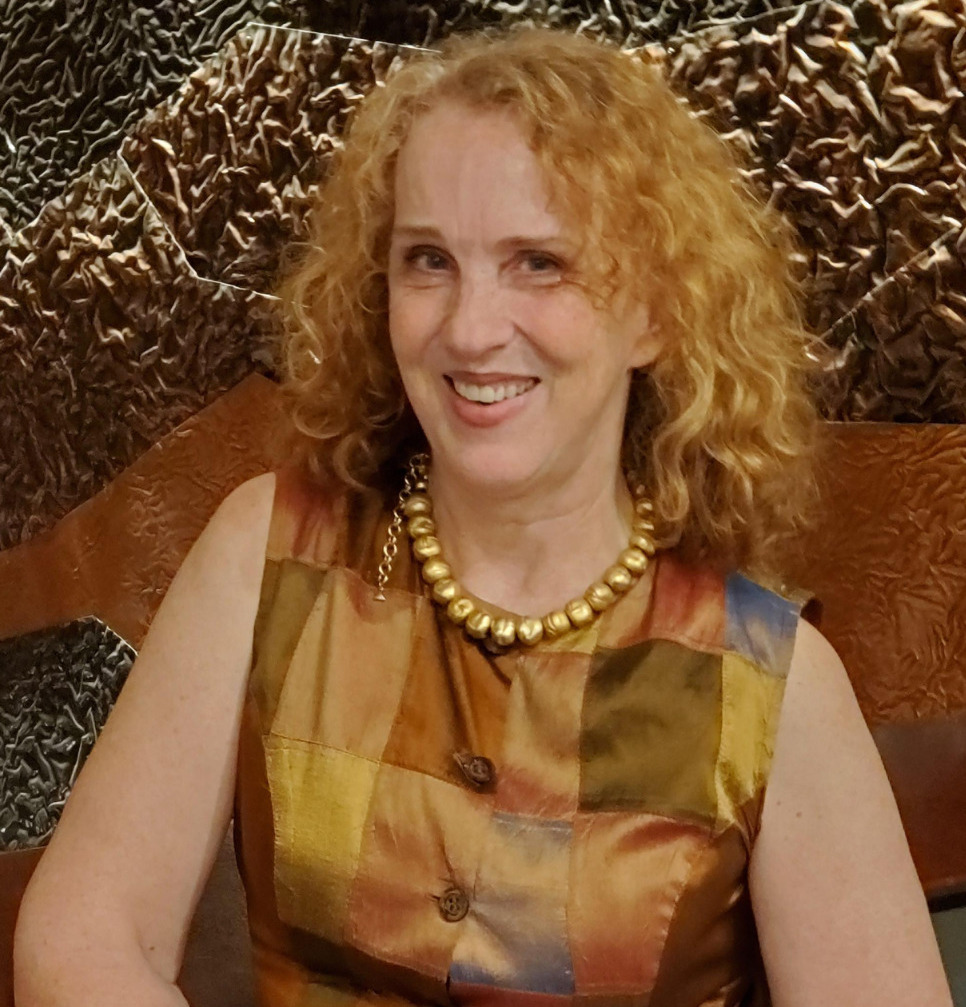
(477, 321)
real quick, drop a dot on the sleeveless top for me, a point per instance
(420, 821)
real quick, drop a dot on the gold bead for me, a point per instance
(478, 624)
(642, 542)
(436, 569)
(617, 578)
(420, 486)
(644, 524)
(633, 559)
(579, 612)
(530, 631)
(556, 623)
(426, 547)
(459, 609)
(417, 504)
(600, 596)
(444, 591)
(643, 507)
(421, 525)
(504, 631)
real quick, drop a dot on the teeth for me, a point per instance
(492, 393)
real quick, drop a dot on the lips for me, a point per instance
(485, 400)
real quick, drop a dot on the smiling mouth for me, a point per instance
(490, 392)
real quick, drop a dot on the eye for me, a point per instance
(425, 256)
(542, 264)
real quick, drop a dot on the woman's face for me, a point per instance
(516, 379)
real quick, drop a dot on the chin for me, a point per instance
(491, 466)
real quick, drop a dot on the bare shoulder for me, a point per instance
(840, 911)
(147, 815)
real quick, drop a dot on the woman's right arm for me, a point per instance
(105, 917)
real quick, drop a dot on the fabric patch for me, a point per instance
(516, 931)
(423, 839)
(651, 727)
(627, 874)
(349, 668)
(750, 704)
(319, 801)
(761, 625)
(453, 702)
(539, 769)
(688, 606)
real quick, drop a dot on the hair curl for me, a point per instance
(721, 427)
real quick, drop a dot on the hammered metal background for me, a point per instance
(75, 74)
(232, 161)
(888, 561)
(56, 690)
(627, 22)
(115, 555)
(901, 352)
(109, 340)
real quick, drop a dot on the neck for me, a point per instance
(533, 550)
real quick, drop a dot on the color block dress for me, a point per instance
(417, 820)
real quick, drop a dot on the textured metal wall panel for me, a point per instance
(57, 687)
(231, 162)
(75, 74)
(420, 23)
(844, 115)
(109, 340)
(888, 562)
(901, 353)
(115, 556)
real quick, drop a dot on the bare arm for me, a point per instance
(106, 915)
(840, 911)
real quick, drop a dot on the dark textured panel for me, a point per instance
(232, 160)
(108, 341)
(901, 354)
(627, 21)
(888, 562)
(115, 556)
(56, 690)
(75, 74)
(852, 120)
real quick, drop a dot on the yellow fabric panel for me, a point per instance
(320, 797)
(750, 702)
(343, 686)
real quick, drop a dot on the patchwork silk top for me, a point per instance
(418, 820)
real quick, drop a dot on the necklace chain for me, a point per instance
(497, 632)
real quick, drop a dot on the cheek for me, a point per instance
(567, 331)
(410, 325)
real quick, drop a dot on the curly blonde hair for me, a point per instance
(720, 427)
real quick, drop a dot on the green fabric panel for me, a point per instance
(289, 591)
(651, 731)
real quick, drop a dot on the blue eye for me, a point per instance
(434, 258)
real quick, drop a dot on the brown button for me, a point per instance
(476, 768)
(453, 905)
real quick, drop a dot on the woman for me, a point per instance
(544, 334)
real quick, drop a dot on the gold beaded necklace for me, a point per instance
(498, 632)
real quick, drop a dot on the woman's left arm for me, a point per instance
(840, 912)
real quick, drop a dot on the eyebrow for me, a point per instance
(514, 241)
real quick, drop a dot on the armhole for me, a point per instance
(763, 627)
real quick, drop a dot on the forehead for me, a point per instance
(471, 165)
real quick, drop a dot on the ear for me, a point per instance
(648, 339)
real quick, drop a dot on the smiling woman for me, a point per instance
(565, 748)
